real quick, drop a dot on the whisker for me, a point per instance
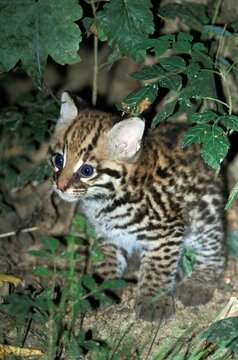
(39, 195)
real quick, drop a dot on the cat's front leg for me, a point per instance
(114, 261)
(155, 301)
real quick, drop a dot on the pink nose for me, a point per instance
(61, 185)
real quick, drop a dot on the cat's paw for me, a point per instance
(160, 310)
(192, 292)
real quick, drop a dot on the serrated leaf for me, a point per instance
(184, 36)
(182, 46)
(173, 63)
(230, 122)
(148, 72)
(139, 100)
(127, 24)
(161, 46)
(95, 27)
(232, 196)
(196, 134)
(113, 284)
(198, 47)
(50, 243)
(172, 82)
(215, 146)
(192, 70)
(224, 333)
(203, 118)
(168, 110)
(27, 34)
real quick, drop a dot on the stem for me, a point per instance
(95, 61)
(229, 105)
(217, 8)
(213, 99)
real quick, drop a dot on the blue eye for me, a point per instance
(58, 161)
(86, 170)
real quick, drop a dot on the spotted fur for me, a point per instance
(145, 194)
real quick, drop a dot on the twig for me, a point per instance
(95, 61)
(11, 233)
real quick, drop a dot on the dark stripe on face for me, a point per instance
(113, 173)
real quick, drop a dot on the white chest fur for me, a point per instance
(111, 226)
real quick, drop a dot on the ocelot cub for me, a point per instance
(142, 193)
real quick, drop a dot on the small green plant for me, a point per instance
(66, 292)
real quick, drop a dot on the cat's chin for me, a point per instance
(66, 197)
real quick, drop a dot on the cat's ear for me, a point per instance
(123, 140)
(70, 107)
(68, 110)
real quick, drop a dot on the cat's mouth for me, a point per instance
(69, 194)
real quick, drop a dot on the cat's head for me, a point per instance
(90, 150)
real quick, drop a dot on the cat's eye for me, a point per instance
(58, 161)
(87, 170)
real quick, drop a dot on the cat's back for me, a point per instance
(163, 147)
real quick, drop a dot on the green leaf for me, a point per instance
(173, 63)
(161, 46)
(91, 345)
(39, 253)
(232, 243)
(198, 47)
(127, 24)
(184, 36)
(196, 134)
(215, 146)
(148, 72)
(80, 222)
(168, 110)
(113, 284)
(182, 46)
(89, 282)
(97, 254)
(84, 305)
(27, 34)
(41, 271)
(203, 118)
(50, 243)
(188, 262)
(232, 196)
(224, 333)
(230, 121)
(139, 100)
(172, 82)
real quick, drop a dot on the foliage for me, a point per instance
(27, 34)
(187, 67)
(25, 127)
(224, 333)
(49, 305)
